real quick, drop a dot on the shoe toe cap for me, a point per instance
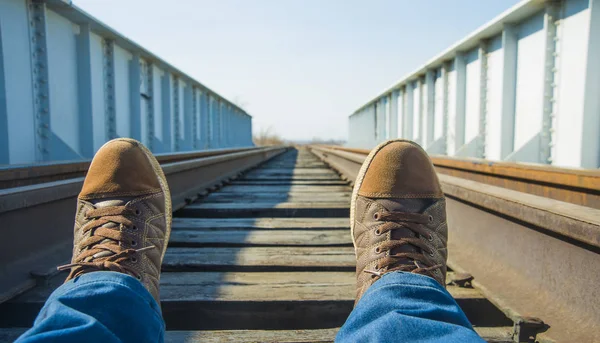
(120, 168)
(402, 170)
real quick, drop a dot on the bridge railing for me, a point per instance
(69, 83)
(525, 87)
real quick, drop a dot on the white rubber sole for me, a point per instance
(361, 175)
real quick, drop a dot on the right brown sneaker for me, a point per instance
(398, 215)
(123, 218)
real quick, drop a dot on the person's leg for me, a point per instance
(98, 307)
(122, 227)
(407, 307)
(399, 231)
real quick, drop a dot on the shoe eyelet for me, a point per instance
(432, 254)
(378, 232)
(378, 251)
(134, 260)
(133, 243)
(430, 238)
(137, 212)
(430, 219)
(134, 228)
(376, 215)
(139, 277)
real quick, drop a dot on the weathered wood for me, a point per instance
(321, 189)
(261, 223)
(248, 286)
(243, 182)
(217, 210)
(250, 300)
(280, 238)
(259, 259)
(297, 179)
(253, 336)
(292, 171)
(489, 334)
(276, 197)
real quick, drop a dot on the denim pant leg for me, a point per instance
(98, 307)
(406, 307)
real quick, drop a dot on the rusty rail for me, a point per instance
(533, 255)
(576, 186)
(31, 174)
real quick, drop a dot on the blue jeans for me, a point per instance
(114, 307)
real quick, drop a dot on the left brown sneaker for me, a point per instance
(123, 218)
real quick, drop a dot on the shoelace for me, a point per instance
(401, 220)
(105, 248)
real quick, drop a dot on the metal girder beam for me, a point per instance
(429, 114)
(149, 94)
(204, 120)
(408, 111)
(460, 68)
(393, 114)
(483, 95)
(418, 112)
(195, 120)
(176, 113)
(550, 54)
(84, 88)
(166, 112)
(188, 129)
(108, 62)
(509, 90)
(135, 111)
(445, 104)
(590, 154)
(39, 67)
(4, 150)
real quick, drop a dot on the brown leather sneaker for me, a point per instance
(398, 215)
(123, 218)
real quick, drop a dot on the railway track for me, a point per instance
(528, 234)
(267, 257)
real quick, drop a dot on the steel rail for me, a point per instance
(576, 186)
(30, 174)
(532, 255)
(37, 220)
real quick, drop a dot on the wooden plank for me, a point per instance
(225, 336)
(285, 189)
(307, 173)
(249, 286)
(260, 259)
(280, 238)
(489, 334)
(251, 300)
(297, 179)
(293, 171)
(291, 182)
(261, 223)
(219, 210)
(279, 197)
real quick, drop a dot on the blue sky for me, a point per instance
(299, 67)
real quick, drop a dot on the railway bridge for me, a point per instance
(260, 249)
